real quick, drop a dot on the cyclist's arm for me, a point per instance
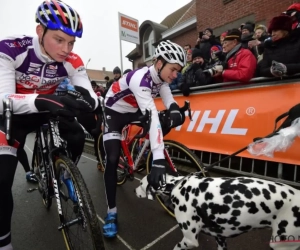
(142, 92)
(22, 104)
(78, 75)
(166, 95)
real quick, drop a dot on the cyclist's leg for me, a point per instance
(112, 145)
(9, 161)
(23, 159)
(7, 172)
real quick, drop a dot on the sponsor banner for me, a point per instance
(129, 29)
(225, 121)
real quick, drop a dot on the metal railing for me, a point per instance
(275, 171)
(281, 172)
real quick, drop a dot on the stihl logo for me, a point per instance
(129, 24)
(199, 122)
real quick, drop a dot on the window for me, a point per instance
(148, 40)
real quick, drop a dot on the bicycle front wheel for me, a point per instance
(80, 225)
(185, 160)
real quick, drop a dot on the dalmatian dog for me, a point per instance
(227, 207)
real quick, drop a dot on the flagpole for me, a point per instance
(121, 54)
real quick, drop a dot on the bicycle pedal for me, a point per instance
(30, 190)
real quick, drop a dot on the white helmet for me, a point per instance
(171, 52)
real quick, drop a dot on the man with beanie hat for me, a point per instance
(194, 76)
(117, 73)
(282, 53)
(247, 34)
(205, 42)
(240, 63)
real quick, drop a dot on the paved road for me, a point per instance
(143, 223)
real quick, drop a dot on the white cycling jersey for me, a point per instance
(25, 72)
(136, 90)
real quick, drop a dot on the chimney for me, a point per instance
(103, 69)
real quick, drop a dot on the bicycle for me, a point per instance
(127, 166)
(59, 177)
(129, 140)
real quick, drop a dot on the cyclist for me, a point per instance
(124, 102)
(30, 70)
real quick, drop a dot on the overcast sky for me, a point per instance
(100, 40)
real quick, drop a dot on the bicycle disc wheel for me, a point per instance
(81, 228)
(185, 161)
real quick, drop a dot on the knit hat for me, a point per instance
(215, 48)
(249, 27)
(223, 34)
(117, 70)
(262, 27)
(197, 53)
(233, 34)
(280, 23)
(209, 29)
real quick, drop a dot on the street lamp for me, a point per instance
(87, 63)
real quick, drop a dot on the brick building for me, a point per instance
(183, 25)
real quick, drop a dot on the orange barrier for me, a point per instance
(228, 119)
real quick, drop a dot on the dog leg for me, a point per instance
(190, 232)
(221, 243)
(189, 241)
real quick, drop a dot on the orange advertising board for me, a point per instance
(227, 120)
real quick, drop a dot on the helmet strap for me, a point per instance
(159, 71)
(42, 43)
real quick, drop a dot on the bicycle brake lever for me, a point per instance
(190, 112)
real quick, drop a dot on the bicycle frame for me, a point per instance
(49, 155)
(130, 164)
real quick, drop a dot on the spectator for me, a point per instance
(99, 90)
(194, 75)
(222, 36)
(247, 35)
(206, 41)
(188, 60)
(294, 12)
(283, 49)
(239, 64)
(117, 76)
(216, 55)
(187, 47)
(257, 45)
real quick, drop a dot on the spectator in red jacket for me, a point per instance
(239, 64)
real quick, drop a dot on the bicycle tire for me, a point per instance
(86, 205)
(142, 167)
(36, 158)
(196, 162)
(122, 172)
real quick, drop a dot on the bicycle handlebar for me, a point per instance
(146, 123)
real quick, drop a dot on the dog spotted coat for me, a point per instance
(227, 207)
